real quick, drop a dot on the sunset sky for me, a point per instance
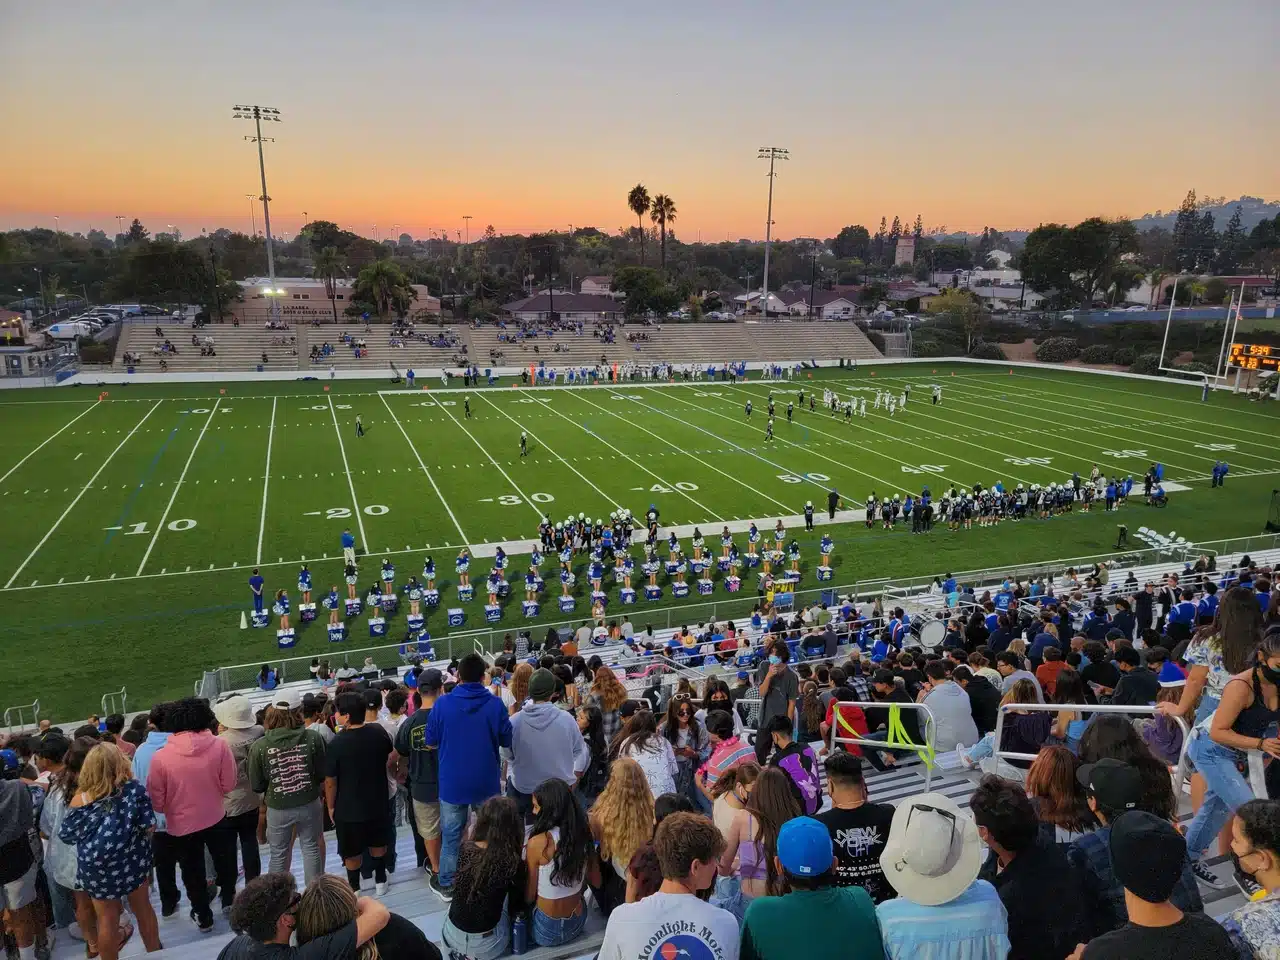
(535, 116)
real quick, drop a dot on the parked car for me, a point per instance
(72, 330)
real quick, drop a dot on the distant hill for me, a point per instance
(1253, 210)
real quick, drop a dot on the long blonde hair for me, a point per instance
(608, 689)
(106, 769)
(623, 813)
(520, 677)
(328, 905)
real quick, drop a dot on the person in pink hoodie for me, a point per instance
(187, 780)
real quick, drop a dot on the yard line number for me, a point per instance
(134, 529)
(801, 478)
(344, 513)
(926, 468)
(1125, 454)
(511, 500)
(1029, 461)
(206, 410)
(319, 406)
(679, 485)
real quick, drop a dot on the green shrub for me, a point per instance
(927, 348)
(1192, 370)
(1124, 356)
(96, 352)
(877, 339)
(1057, 350)
(982, 350)
(1098, 353)
(1147, 363)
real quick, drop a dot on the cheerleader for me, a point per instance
(673, 546)
(698, 543)
(650, 565)
(596, 575)
(597, 612)
(726, 541)
(681, 567)
(372, 597)
(500, 559)
(304, 583)
(825, 547)
(753, 538)
(535, 559)
(628, 568)
(429, 573)
(462, 566)
(566, 557)
(281, 607)
(531, 585)
(779, 537)
(414, 590)
(735, 560)
(388, 576)
(494, 584)
(331, 604)
(566, 581)
(793, 550)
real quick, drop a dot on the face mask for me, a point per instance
(774, 660)
(1271, 674)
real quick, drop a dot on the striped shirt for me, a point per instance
(726, 755)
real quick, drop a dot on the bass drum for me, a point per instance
(932, 634)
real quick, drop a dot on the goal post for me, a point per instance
(1219, 378)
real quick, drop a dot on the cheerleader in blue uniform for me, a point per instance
(682, 567)
(566, 557)
(531, 585)
(429, 573)
(535, 558)
(826, 547)
(414, 591)
(281, 608)
(753, 538)
(779, 537)
(462, 566)
(793, 551)
(500, 559)
(726, 541)
(650, 564)
(596, 575)
(698, 543)
(350, 576)
(372, 596)
(735, 559)
(304, 583)
(494, 583)
(566, 580)
(388, 576)
(673, 546)
(330, 603)
(628, 568)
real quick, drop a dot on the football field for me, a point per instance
(133, 522)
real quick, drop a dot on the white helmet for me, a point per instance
(582, 516)
(808, 503)
(896, 497)
(559, 526)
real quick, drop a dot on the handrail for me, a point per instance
(925, 750)
(109, 701)
(9, 712)
(1180, 771)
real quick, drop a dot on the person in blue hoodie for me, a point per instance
(166, 848)
(468, 726)
(546, 744)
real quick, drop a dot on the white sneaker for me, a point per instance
(380, 889)
(964, 760)
(74, 931)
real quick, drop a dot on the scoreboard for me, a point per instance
(1254, 356)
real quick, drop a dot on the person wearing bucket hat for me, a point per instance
(932, 859)
(1149, 856)
(837, 921)
(241, 806)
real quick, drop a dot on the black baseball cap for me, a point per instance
(430, 679)
(1147, 855)
(1115, 785)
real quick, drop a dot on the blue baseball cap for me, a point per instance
(8, 762)
(743, 675)
(804, 847)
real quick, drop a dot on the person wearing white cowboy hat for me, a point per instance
(241, 806)
(942, 910)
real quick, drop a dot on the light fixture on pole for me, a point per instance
(119, 225)
(467, 218)
(395, 233)
(772, 154)
(271, 115)
(253, 219)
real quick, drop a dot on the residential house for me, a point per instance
(827, 304)
(904, 253)
(304, 299)
(569, 307)
(597, 286)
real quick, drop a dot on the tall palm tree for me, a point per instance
(386, 286)
(638, 201)
(327, 265)
(1156, 277)
(663, 212)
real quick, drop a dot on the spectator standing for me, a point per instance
(779, 690)
(313, 718)
(115, 727)
(242, 806)
(727, 751)
(591, 726)
(942, 909)
(950, 707)
(688, 738)
(642, 743)
(489, 885)
(608, 694)
(187, 779)
(110, 822)
(731, 792)
(265, 914)
(1255, 840)
(673, 921)
(164, 846)
(355, 790)
(1028, 873)
(545, 744)
(797, 761)
(752, 841)
(837, 921)
(424, 776)
(622, 821)
(19, 870)
(287, 767)
(561, 859)
(1149, 856)
(468, 727)
(859, 828)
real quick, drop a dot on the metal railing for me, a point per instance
(115, 703)
(1180, 770)
(925, 750)
(14, 721)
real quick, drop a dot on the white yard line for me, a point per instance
(41, 446)
(678, 449)
(86, 487)
(443, 501)
(546, 446)
(346, 468)
(178, 486)
(480, 446)
(266, 480)
(821, 485)
(1132, 393)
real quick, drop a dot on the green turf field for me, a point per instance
(132, 524)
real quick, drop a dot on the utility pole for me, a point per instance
(257, 114)
(467, 218)
(772, 154)
(813, 280)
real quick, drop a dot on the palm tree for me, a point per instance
(326, 266)
(1156, 277)
(386, 286)
(663, 212)
(638, 201)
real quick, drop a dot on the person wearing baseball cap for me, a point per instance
(1112, 789)
(942, 909)
(1150, 858)
(836, 921)
(546, 744)
(424, 780)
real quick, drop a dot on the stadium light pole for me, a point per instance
(467, 218)
(772, 154)
(257, 114)
(119, 224)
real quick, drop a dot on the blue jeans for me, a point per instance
(552, 932)
(984, 748)
(63, 901)
(453, 824)
(477, 946)
(1226, 790)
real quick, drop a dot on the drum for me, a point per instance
(932, 634)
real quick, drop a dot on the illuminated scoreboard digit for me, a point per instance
(1254, 356)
